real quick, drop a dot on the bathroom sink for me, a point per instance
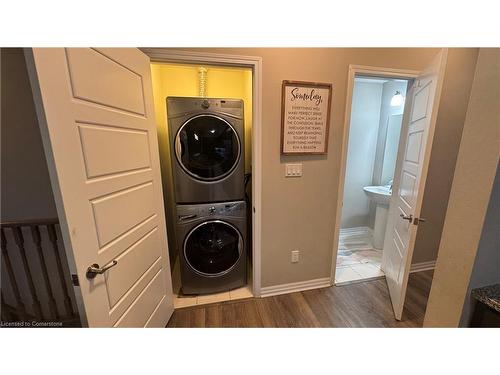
(379, 194)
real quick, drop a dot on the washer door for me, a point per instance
(213, 248)
(207, 147)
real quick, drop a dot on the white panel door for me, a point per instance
(409, 182)
(96, 114)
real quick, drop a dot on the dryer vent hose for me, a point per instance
(202, 72)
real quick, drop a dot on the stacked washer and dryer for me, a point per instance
(207, 152)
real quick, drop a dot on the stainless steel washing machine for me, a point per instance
(207, 149)
(212, 244)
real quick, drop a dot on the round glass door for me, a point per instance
(213, 248)
(207, 147)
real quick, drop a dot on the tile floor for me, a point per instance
(181, 300)
(357, 260)
(231, 295)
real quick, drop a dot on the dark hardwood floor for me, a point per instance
(357, 305)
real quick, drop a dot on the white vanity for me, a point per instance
(381, 195)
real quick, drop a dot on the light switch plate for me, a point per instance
(293, 170)
(295, 256)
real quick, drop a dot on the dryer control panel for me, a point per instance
(182, 106)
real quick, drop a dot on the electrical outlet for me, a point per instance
(295, 256)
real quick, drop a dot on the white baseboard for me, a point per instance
(325, 282)
(295, 287)
(356, 232)
(423, 266)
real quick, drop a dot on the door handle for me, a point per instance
(409, 217)
(95, 270)
(418, 220)
(187, 217)
(178, 147)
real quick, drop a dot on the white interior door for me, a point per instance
(95, 108)
(409, 180)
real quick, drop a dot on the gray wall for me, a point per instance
(26, 192)
(363, 131)
(486, 270)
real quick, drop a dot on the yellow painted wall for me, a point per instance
(182, 80)
(222, 82)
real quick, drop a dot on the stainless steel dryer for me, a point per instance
(212, 245)
(207, 149)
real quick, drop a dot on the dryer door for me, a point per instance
(213, 248)
(207, 147)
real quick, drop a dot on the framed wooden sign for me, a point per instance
(305, 117)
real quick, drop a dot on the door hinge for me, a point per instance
(74, 280)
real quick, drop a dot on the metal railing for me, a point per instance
(39, 286)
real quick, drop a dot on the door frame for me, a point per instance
(169, 55)
(366, 71)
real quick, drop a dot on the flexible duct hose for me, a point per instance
(202, 72)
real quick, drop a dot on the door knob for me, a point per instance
(95, 270)
(409, 217)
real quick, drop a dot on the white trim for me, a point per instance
(254, 62)
(358, 281)
(359, 238)
(353, 71)
(356, 232)
(274, 290)
(423, 266)
(417, 267)
(379, 72)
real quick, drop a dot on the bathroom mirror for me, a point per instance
(391, 147)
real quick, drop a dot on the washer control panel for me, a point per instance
(189, 212)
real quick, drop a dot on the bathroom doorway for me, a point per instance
(392, 234)
(376, 118)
